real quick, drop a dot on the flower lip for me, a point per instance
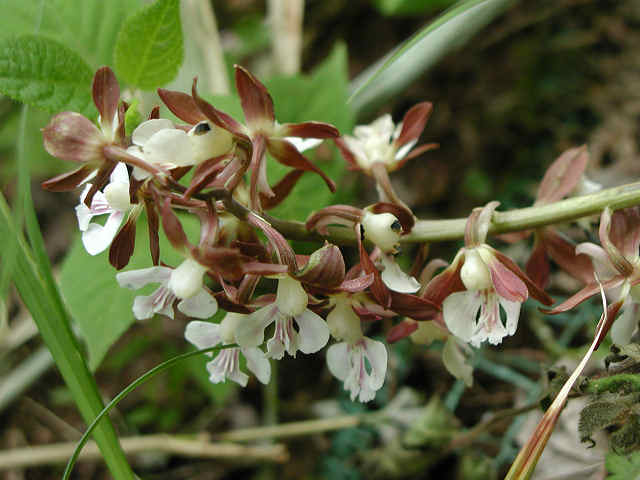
(474, 273)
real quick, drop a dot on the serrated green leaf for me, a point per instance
(45, 74)
(89, 27)
(149, 49)
(100, 306)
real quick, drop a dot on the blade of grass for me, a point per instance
(53, 324)
(126, 391)
(409, 60)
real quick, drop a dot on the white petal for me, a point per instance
(313, 331)
(120, 174)
(376, 353)
(147, 129)
(512, 310)
(404, 149)
(455, 361)
(227, 365)
(303, 144)
(459, 311)
(169, 147)
(258, 364)
(135, 279)
(200, 305)
(97, 238)
(250, 332)
(599, 258)
(84, 216)
(160, 301)
(394, 278)
(338, 360)
(624, 326)
(203, 334)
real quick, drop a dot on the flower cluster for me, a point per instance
(476, 298)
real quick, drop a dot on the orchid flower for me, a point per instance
(478, 284)
(113, 200)
(358, 361)
(226, 364)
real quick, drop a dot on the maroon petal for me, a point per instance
(281, 190)
(404, 215)
(68, 181)
(218, 117)
(563, 252)
(355, 285)
(614, 227)
(413, 306)
(612, 312)
(538, 268)
(123, 244)
(173, 228)
(587, 292)
(289, 155)
(625, 231)
(446, 282)
(414, 122)
(507, 284)
(333, 214)
(259, 181)
(349, 157)
(227, 262)
(153, 224)
(283, 250)
(70, 136)
(99, 181)
(182, 106)
(255, 99)
(106, 95)
(309, 130)
(378, 289)
(401, 330)
(563, 175)
(263, 269)
(416, 152)
(205, 173)
(324, 269)
(533, 289)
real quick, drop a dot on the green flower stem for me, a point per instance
(426, 231)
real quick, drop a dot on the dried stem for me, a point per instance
(285, 17)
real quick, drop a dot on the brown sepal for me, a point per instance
(153, 225)
(413, 306)
(349, 157)
(401, 330)
(378, 289)
(106, 95)
(563, 252)
(218, 117)
(535, 291)
(70, 136)
(281, 190)
(123, 244)
(67, 181)
(324, 269)
(309, 130)
(563, 175)
(173, 228)
(99, 181)
(414, 122)
(182, 106)
(585, 293)
(446, 282)
(257, 104)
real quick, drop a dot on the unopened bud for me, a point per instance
(186, 280)
(382, 229)
(474, 272)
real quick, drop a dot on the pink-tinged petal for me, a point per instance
(255, 99)
(533, 289)
(123, 244)
(181, 105)
(401, 330)
(378, 289)
(264, 269)
(173, 228)
(383, 184)
(507, 283)
(106, 95)
(403, 214)
(563, 175)
(225, 366)
(283, 250)
(324, 269)
(413, 306)
(477, 226)
(413, 123)
(68, 181)
(564, 253)
(259, 181)
(456, 362)
(135, 279)
(338, 360)
(228, 262)
(202, 305)
(258, 364)
(160, 301)
(250, 332)
(97, 238)
(70, 136)
(313, 332)
(587, 292)
(355, 285)
(203, 334)
(395, 279)
(281, 190)
(218, 117)
(460, 310)
(624, 232)
(318, 130)
(623, 328)
(205, 173)
(347, 154)
(613, 227)
(338, 214)
(288, 155)
(446, 282)
(147, 129)
(538, 268)
(376, 353)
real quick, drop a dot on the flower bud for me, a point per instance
(117, 194)
(474, 272)
(209, 141)
(343, 322)
(186, 279)
(291, 298)
(382, 229)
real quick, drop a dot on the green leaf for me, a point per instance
(406, 63)
(148, 50)
(45, 74)
(89, 27)
(410, 7)
(623, 468)
(108, 315)
(132, 118)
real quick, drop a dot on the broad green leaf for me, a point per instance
(149, 49)
(621, 467)
(410, 7)
(88, 27)
(406, 63)
(45, 74)
(100, 306)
